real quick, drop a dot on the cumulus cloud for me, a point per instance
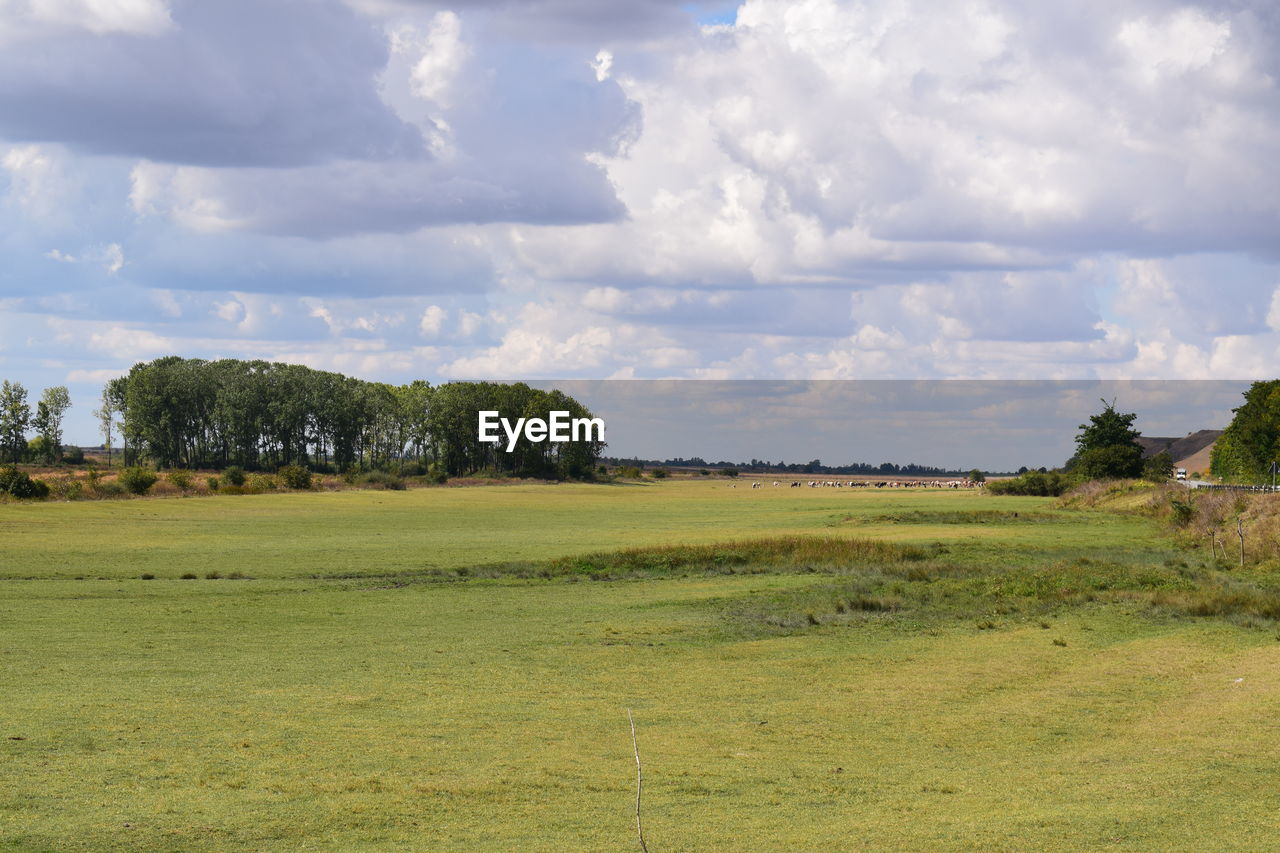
(836, 188)
(232, 82)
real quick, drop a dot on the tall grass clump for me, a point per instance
(790, 553)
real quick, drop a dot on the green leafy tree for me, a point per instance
(1107, 447)
(106, 415)
(976, 476)
(15, 420)
(1158, 468)
(1251, 442)
(50, 411)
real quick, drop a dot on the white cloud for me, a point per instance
(1183, 41)
(137, 17)
(440, 55)
(432, 320)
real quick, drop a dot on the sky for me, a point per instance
(586, 189)
(956, 424)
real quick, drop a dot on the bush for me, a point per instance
(384, 480)
(1183, 512)
(66, 487)
(108, 489)
(412, 469)
(728, 472)
(213, 483)
(17, 484)
(1042, 484)
(73, 455)
(295, 477)
(256, 484)
(661, 473)
(1158, 468)
(180, 478)
(234, 475)
(137, 480)
(629, 472)
(1117, 461)
(437, 473)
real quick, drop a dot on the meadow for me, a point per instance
(451, 669)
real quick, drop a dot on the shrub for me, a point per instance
(188, 576)
(147, 576)
(412, 469)
(17, 484)
(661, 473)
(73, 455)
(629, 472)
(437, 473)
(137, 480)
(66, 487)
(1041, 484)
(256, 484)
(703, 472)
(234, 475)
(109, 489)
(180, 478)
(382, 479)
(295, 477)
(1183, 512)
(1158, 468)
(213, 483)
(728, 472)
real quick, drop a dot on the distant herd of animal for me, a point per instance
(869, 484)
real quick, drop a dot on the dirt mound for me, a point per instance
(1180, 448)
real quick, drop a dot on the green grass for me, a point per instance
(377, 532)
(971, 685)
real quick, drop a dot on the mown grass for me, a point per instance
(934, 683)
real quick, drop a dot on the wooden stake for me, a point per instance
(1240, 533)
(639, 781)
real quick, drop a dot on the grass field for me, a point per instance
(383, 680)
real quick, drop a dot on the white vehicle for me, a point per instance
(1182, 474)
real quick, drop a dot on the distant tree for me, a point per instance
(1158, 468)
(1107, 447)
(50, 411)
(106, 415)
(976, 476)
(15, 419)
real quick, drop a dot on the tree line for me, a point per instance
(191, 413)
(17, 419)
(760, 466)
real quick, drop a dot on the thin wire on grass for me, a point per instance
(639, 781)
